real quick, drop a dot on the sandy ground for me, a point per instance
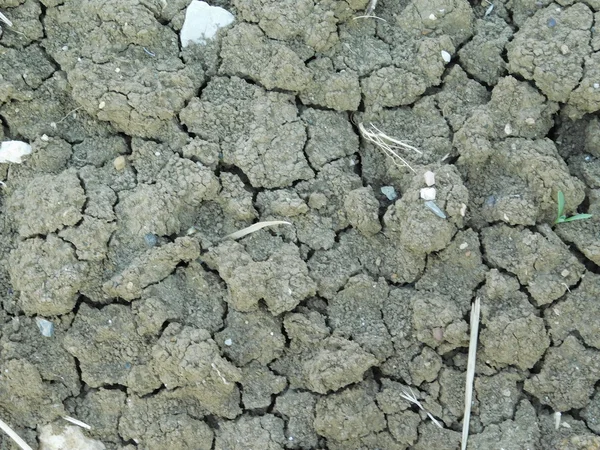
(125, 306)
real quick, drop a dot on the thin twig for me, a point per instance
(388, 144)
(255, 227)
(413, 399)
(77, 422)
(475, 310)
(369, 17)
(14, 436)
(69, 113)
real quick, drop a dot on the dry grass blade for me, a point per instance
(371, 7)
(413, 399)
(79, 423)
(389, 145)
(470, 370)
(255, 227)
(14, 436)
(6, 20)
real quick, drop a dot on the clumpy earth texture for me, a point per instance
(126, 304)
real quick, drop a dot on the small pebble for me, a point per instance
(565, 273)
(446, 56)
(463, 245)
(507, 129)
(119, 163)
(102, 105)
(596, 85)
(564, 49)
(151, 240)
(530, 121)
(429, 178)
(45, 138)
(389, 192)
(117, 70)
(463, 210)
(46, 327)
(551, 22)
(228, 342)
(432, 17)
(436, 209)
(428, 193)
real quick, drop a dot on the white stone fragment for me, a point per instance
(508, 129)
(389, 192)
(66, 438)
(429, 178)
(45, 326)
(428, 193)
(446, 56)
(202, 22)
(228, 342)
(13, 151)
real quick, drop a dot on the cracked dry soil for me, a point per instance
(301, 336)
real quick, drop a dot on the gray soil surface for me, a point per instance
(124, 305)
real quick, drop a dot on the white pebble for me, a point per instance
(117, 70)
(202, 22)
(463, 210)
(429, 178)
(446, 56)
(119, 163)
(432, 16)
(596, 85)
(508, 129)
(102, 105)
(428, 193)
(463, 245)
(530, 121)
(228, 342)
(13, 151)
(389, 192)
(45, 326)
(45, 138)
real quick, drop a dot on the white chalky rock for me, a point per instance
(202, 22)
(67, 438)
(12, 151)
(446, 56)
(429, 178)
(428, 193)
